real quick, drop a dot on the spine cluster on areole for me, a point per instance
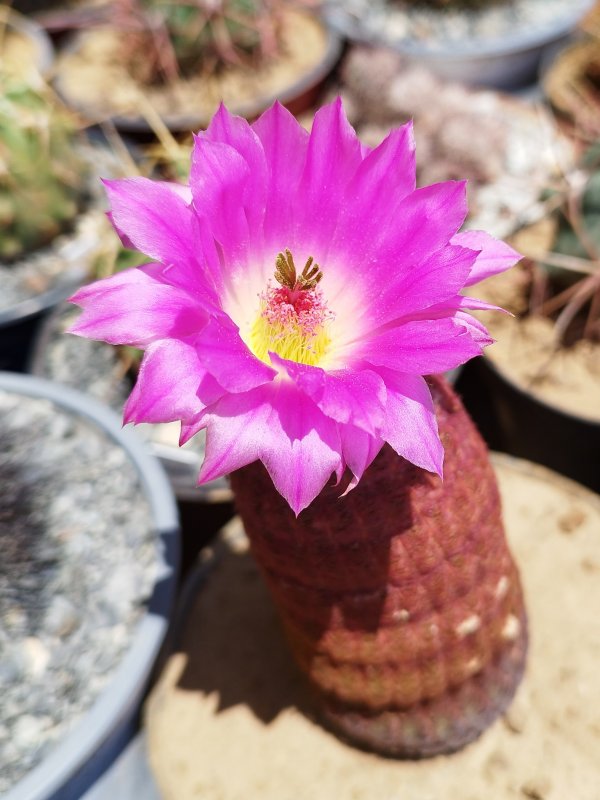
(401, 601)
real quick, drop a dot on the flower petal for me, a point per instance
(437, 279)
(223, 353)
(134, 309)
(237, 133)
(421, 224)
(411, 427)
(154, 218)
(283, 428)
(171, 384)
(494, 256)
(355, 397)
(389, 171)
(334, 154)
(285, 143)
(423, 347)
(219, 177)
(358, 450)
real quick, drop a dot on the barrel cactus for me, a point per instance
(165, 38)
(40, 171)
(401, 603)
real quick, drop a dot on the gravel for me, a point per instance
(394, 22)
(72, 514)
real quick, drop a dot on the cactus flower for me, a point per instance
(299, 289)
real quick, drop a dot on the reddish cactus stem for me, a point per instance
(401, 601)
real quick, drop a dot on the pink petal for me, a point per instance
(283, 428)
(285, 143)
(171, 384)
(133, 309)
(411, 427)
(396, 240)
(389, 171)
(155, 219)
(422, 347)
(425, 222)
(347, 396)
(219, 178)
(334, 154)
(238, 134)
(494, 256)
(455, 308)
(223, 353)
(358, 450)
(437, 279)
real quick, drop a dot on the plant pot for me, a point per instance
(75, 759)
(529, 395)
(38, 281)
(87, 74)
(95, 367)
(515, 420)
(206, 712)
(36, 53)
(568, 85)
(507, 60)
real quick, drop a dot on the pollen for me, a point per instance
(293, 319)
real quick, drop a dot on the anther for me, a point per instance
(285, 273)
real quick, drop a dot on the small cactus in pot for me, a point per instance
(40, 172)
(164, 39)
(296, 326)
(565, 280)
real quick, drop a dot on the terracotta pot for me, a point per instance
(401, 602)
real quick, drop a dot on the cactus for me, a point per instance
(39, 171)
(166, 38)
(565, 281)
(403, 607)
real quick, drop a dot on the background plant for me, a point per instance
(565, 284)
(40, 170)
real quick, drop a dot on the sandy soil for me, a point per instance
(525, 350)
(229, 719)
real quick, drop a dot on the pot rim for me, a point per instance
(532, 396)
(472, 49)
(117, 703)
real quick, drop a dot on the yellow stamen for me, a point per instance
(290, 340)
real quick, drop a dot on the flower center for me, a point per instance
(293, 317)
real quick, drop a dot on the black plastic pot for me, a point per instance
(84, 755)
(20, 325)
(514, 420)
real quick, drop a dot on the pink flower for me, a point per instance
(300, 289)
